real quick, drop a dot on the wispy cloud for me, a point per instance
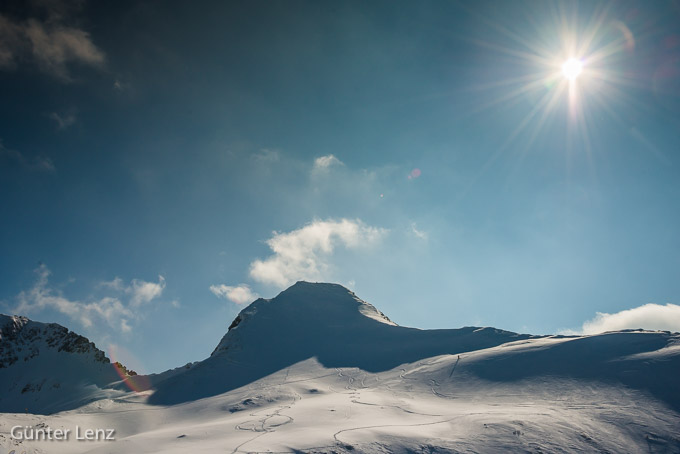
(11, 42)
(418, 233)
(239, 294)
(48, 41)
(125, 326)
(267, 155)
(41, 296)
(649, 316)
(305, 253)
(141, 292)
(54, 47)
(111, 309)
(115, 284)
(16, 158)
(323, 163)
(64, 120)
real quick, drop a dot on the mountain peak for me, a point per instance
(316, 287)
(305, 305)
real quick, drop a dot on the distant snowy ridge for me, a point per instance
(22, 339)
(44, 367)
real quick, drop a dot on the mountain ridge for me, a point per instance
(46, 368)
(17, 330)
(316, 320)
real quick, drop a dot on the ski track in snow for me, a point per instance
(290, 412)
(267, 427)
(466, 390)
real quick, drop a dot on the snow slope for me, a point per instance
(312, 370)
(434, 405)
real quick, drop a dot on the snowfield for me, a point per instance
(312, 371)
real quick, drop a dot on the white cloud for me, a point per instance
(49, 43)
(112, 310)
(144, 292)
(115, 284)
(323, 163)
(419, 233)
(305, 253)
(124, 326)
(240, 294)
(53, 47)
(648, 316)
(41, 296)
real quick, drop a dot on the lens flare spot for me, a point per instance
(629, 39)
(136, 383)
(415, 173)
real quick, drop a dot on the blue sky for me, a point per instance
(159, 161)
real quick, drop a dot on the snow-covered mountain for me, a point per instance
(316, 320)
(316, 369)
(46, 368)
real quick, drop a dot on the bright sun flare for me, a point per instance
(563, 62)
(572, 68)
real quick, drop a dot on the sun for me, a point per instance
(562, 64)
(572, 68)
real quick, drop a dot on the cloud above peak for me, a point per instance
(648, 316)
(239, 294)
(305, 253)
